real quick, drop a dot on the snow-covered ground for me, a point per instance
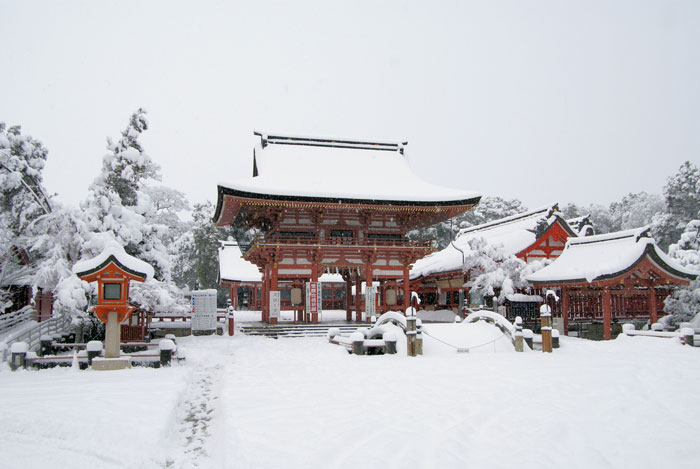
(255, 402)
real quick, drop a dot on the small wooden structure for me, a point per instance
(621, 275)
(335, 206)
(113, 269)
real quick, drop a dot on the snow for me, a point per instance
(594, 256)
(130, 262)
(259, 403)
(233, 267)
(359, 174)
(513, 234)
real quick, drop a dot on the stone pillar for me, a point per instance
(653, 313)
(565, 309)
(112, 336)
(607, 315)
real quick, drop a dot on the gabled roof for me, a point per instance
(515, 233)
(609, 256)
(114, 254)
(339, 171)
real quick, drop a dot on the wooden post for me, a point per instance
(546, 325)
(411, 332)
(653, 314)
(565, 309)
(607, 316)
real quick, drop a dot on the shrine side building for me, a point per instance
(335, 206)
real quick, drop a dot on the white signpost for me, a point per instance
(370, 302)
(204, 312)
(275, 304)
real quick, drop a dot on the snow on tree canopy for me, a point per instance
(120, 257)
(601, 256)
(374, 172)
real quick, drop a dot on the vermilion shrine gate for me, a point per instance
(621, 275)
(336, 206)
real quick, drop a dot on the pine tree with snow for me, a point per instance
(682, 197)
(684, 304)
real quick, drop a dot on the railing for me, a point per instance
(33, 336)
(262, 240)
(10, 320)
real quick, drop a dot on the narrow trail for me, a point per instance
(195, 439)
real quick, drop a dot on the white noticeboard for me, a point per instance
(204, 310)
(370, 301)
(275, 304)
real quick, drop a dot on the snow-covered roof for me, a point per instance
(515, 233)
(606, 256)
(339, 171)
(232, 266)
(114, 253)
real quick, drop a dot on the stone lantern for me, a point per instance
(112, 270)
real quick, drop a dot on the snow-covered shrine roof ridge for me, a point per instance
(515, 233)
(339, 171)
(278, 138)
(608, 256)
(120, 258)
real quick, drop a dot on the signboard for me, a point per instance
(275, 304)
(314, 299)
(370, 301)
(204, 310)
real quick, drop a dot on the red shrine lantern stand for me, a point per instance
(112, 270)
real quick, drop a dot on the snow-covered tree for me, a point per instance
(22, 197)
(684, 303)
(119, 205)
(493, 271)
(682, 197)
(488, 209)
(636, 210)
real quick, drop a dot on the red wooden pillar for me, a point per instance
(358, 297)
(607, 316)
(406, 289)
(653, 313)
(234, 296)
(348, 296)
(565, 309)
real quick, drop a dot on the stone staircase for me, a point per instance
(299, 330)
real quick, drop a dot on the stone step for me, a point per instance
(298, 330)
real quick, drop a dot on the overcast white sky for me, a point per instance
(568, 101)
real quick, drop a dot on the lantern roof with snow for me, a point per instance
(630, 255)
(136, 269)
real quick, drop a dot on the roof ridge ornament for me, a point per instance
(279, 139)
